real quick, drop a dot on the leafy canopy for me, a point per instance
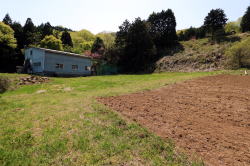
(7, 38)
(215, 20)
(163, 28)
(239, 55)
(81, 40)
(51, 42)
(108, 39)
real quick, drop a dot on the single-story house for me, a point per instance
(56, 63)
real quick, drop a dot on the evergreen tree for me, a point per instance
(215, 21)
(120, 40)
(163, 28)
(139, 47)
(45, 30)
(29, 33)
(245, 23)
(121, 35)
(66, 39)
(98, 46)
(18, 29)
(7, 20)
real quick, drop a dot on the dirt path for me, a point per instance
(208, 116)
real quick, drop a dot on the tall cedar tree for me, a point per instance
(120, 42)
(245, 23)
(215, 21)
(66, 39)
(29, 32)
(163, 28)
(98, 46)
(7, 20)
(18, 29)
(46, 30)
(139, 48)
(121, 35)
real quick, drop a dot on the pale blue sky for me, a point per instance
(100, 15)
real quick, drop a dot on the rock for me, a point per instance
(41, 91)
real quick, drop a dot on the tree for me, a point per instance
(121, 40)
(163, 28)
(139, 49)
(238, 56)
(51, 42)
(7, 48)
(215, 21)
(245, 23)
(108, 39)
(7, 39)
(29, 33)
(18, 29)
(232, 27)
(46, 29)
(66, 39)
(190, 33)
(80, 38)
(7, 20)
(98, 46)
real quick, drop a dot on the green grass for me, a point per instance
(66, 126)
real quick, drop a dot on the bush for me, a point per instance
(4, 84)
(238, 55)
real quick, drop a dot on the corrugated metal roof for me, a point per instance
(62, 52)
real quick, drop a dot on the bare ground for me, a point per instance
(207, 116)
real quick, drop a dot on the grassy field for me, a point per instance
(60, 123)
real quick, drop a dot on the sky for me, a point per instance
(108, 15)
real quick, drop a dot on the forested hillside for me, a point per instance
(138, 46)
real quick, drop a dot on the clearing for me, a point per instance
(60, 123)
(208, 116)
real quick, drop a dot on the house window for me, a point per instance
(74, 67)
(87, 68)
(31, 52)
(59, 66)
(37, 64)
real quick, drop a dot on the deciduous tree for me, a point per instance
(215, 21)
(51, 42)
(7, 48)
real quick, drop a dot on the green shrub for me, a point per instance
(4, 84)
(238, 55)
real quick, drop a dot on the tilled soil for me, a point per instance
(208, 116)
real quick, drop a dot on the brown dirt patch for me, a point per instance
(208, 116)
